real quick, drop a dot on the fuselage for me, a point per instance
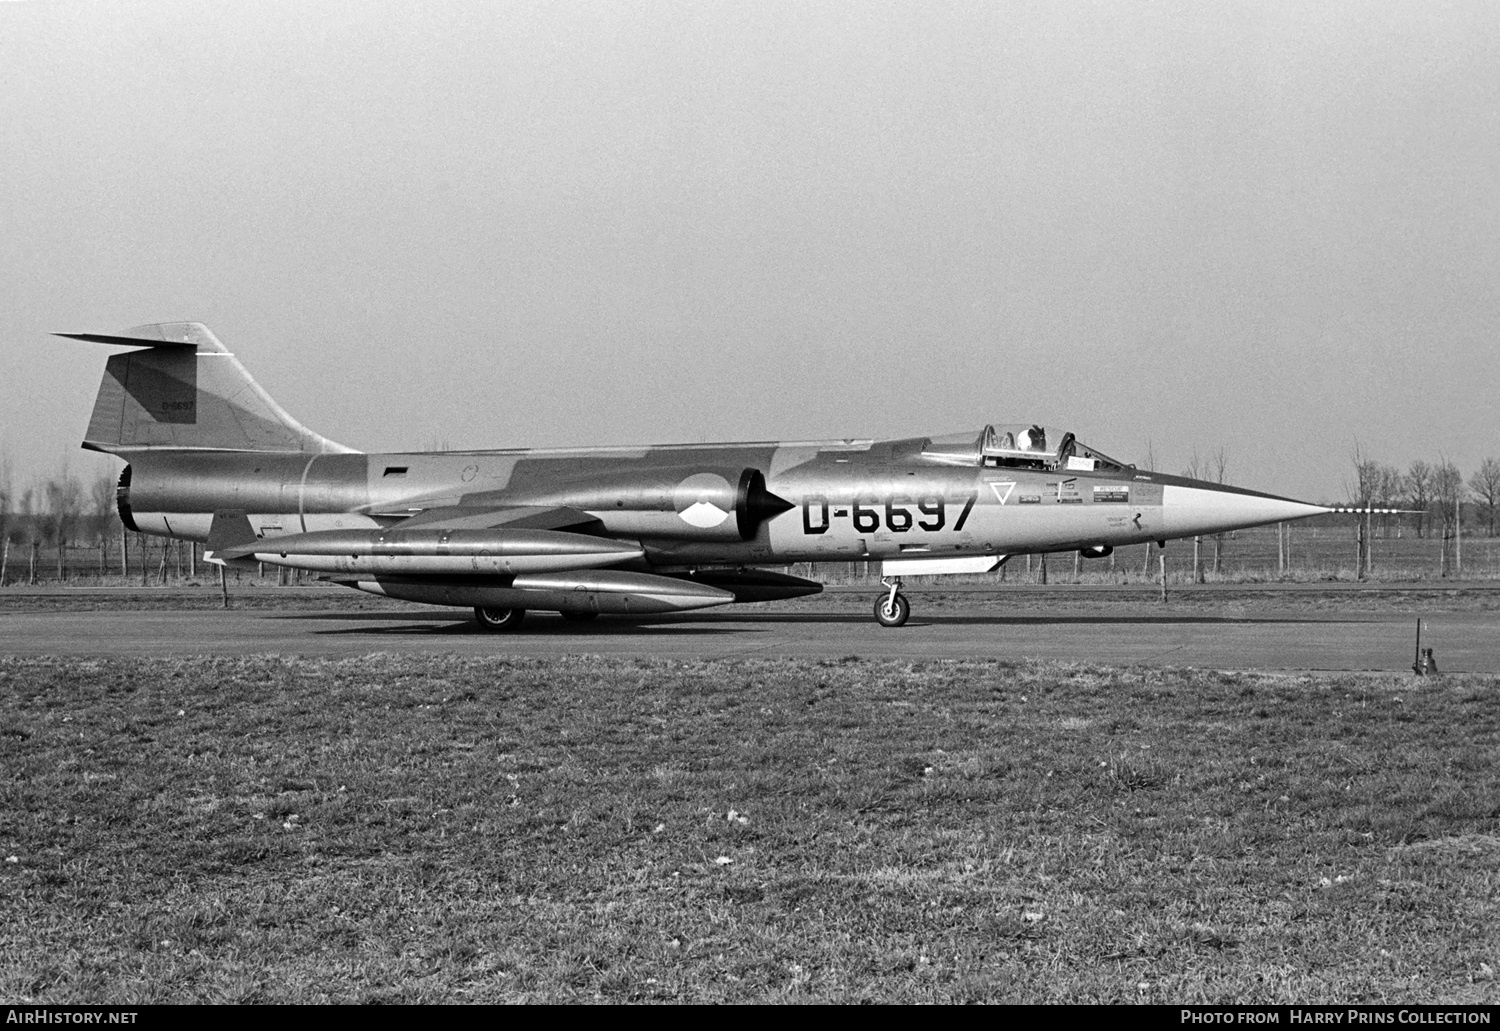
(686, 505)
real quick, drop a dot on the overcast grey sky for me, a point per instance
(1271, 227)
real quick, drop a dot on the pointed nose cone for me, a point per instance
(1196, 508)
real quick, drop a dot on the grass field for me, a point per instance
(390, 829)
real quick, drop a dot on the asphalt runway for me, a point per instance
(1272, 637)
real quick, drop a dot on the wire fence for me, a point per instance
(1311, 553)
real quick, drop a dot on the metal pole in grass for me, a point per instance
(1359, 548)
(224, 586)
(1458, 533)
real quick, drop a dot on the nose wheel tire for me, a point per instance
(891, 611)
(499, 619)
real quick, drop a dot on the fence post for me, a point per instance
(1359, 548)
(1458, 534)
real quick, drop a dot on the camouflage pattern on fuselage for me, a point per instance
(849, 501)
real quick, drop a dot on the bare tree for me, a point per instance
(26, 530)
(1218, 463)
(1419, 489)
(1367, 483)
(1486, 487)
(7, 518)
(1363, 493)
(102, 515)
(1388, 492)
(60, 522)
(1194, 471)
(1447, 489)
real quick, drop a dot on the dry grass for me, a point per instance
(409, 829)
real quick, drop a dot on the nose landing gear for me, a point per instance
(892, 609)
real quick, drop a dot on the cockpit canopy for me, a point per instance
(1019, 446)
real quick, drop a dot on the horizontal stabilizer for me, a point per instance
(124, 341)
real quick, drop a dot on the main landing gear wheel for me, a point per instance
(499, 619)
(579, 617)
(892, 609)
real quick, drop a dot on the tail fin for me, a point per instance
(186, 390)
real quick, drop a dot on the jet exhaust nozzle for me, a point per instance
(122, 501)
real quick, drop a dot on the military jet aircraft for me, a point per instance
(638, 530)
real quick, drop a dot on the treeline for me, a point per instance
(1440, 498)
(54, 515)
(66, 528)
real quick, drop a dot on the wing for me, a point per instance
(497, 558)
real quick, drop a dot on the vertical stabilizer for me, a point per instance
(184, 389)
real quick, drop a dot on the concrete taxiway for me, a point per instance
(1272, 636)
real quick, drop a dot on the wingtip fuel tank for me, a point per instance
(437, 551)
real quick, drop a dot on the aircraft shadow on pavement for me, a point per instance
(942, 619)
(531, 628)
(547, 625)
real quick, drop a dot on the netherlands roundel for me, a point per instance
(703, 500)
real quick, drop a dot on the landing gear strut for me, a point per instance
(499, 619)
(892, 609)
